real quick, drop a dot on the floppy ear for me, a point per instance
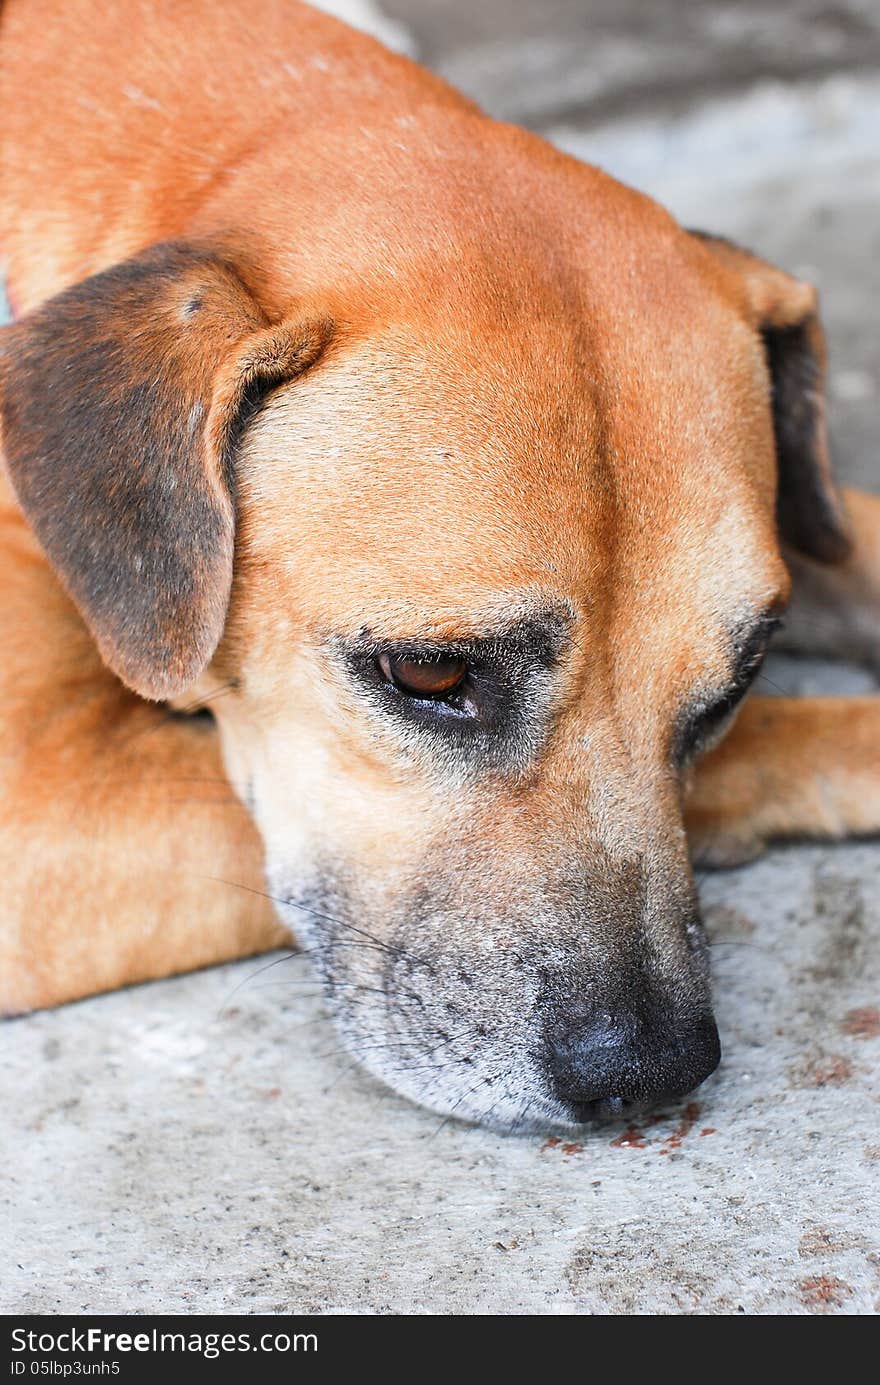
(812, 517)
(121, 403)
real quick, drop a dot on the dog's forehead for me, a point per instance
(478, 445)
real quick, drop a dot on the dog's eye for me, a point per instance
(425, 676)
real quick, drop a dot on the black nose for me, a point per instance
(600, 1066)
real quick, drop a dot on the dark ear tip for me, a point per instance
(825, 538)
(836, 547)
(829, 550)
(171, 640)
(158, 679)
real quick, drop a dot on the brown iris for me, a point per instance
(425, 677)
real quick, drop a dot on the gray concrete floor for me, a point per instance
(202, 1145)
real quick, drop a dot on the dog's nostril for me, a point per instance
(599, 1068)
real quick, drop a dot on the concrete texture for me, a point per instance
(202, 1145)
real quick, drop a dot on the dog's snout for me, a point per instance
(603, 1065)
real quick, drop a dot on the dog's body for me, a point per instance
(519, 434)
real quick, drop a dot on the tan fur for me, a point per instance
(535, 393)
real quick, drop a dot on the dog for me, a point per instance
(395, 515)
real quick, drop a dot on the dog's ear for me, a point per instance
(121, 403)
(811, 514)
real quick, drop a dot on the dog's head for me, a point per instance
(470, 570)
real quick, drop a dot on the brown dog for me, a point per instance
(446, 472)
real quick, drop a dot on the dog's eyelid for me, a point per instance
(751, 647)
(770, 620)
(705, 720)
(531, 640)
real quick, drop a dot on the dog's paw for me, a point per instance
(719, 845)
(11, 1010)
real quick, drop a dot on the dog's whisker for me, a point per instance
(167, 715)
(313, 984)
(437, 1067)
(274, 962)
(391, 948)
(762, 678)
(228, 802)
(205, 701)
(517, 1124)
(148, 782)
(414, 1039)
(345, 1071)
(369, 1048)
(123, 743)
(306, 987)
(740, 942)
(451, 1113)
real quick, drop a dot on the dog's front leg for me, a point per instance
(117, 823)
(126, 857)
(791, 767)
